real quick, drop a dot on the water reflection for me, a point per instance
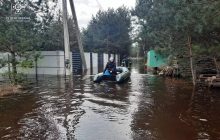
(146, 107)
(203, 113)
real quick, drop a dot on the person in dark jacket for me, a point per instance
(111, 66)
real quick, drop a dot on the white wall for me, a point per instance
(105, 57)
(95, 62)
(116, 60)
(52, 63)
(87, 58)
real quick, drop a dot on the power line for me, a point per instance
(100, 6)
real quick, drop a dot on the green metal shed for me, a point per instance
(154, 59)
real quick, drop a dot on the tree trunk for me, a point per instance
(216, 65)
(36, 69)
(14, 68)
(9, 68)
(191, 61)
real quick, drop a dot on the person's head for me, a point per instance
(111, 59)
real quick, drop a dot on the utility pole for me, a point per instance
(79, 40)
(66, 40)
(100, 6)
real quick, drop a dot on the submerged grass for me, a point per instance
(7, 90)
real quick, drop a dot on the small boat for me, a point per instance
(122, 75)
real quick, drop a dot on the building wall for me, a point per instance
(87, 58)
(116, 60)
(105, 57)
(95, 63)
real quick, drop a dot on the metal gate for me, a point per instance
(76, 63)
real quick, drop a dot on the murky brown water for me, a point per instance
(146, 107)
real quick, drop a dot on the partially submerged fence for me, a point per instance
(52, 63)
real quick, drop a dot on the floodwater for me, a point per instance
(146, 107)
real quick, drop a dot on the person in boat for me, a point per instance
(111, 66)
(126, 62)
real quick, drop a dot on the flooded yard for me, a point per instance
(146, 107)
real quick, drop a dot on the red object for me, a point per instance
(145, 67)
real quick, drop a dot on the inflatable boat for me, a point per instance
(122, 75)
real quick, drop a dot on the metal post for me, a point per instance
(91, 63)
(66, 40)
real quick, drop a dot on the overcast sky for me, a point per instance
(86, 8)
